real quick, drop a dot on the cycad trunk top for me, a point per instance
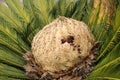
(63, 46)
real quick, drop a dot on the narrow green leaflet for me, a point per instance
(117, 19)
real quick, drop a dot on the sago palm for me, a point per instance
(23, 38)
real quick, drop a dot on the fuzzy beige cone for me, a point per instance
(62, 47)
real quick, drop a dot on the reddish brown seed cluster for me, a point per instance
(76, 47)
(70, 40)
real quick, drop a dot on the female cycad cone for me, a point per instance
(63, 49)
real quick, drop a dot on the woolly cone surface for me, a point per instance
(62, 47)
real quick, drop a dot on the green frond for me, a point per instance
(12, 72)
(10, 57)
(44, 8)
(7, 78)
(117, 19)
(61, 6)
(5, 40)
(108, 68)
(66, 7)
(18, 9)
(79, 7)
(114, 39)
(94, 14)
(19, 13)
(30, 37)
(12, 34)
(87, 11)
(103, 78)
(10, 18)
(29, 7)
